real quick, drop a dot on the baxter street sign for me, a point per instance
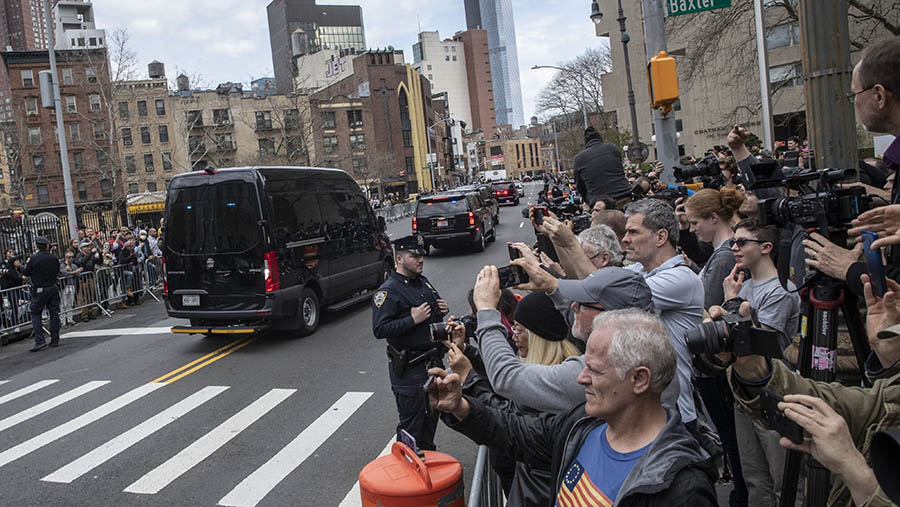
(679, 7)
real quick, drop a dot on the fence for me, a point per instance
(396, 211)
(18, 232)
(486, 490)
(78, 292)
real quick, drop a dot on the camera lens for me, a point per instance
(707, 338)
(439, 332)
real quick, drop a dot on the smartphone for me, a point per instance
(539, 213)
(775, 419)
(510, 276)
(426, 387)
(514, 253)
(874, 265)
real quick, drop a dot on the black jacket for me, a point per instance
(675, 470)
(599, 172)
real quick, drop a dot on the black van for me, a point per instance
(258, 246)
(454, 218)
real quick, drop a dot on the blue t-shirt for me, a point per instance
(597, 473)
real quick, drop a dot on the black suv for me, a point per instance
(454, 218)
(487, 195)
(505, 191)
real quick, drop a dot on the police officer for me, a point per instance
(402, 310)
(42, 270)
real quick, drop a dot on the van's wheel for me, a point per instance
(493, 234)
(481, 245)
(308, 312)
(386, 270)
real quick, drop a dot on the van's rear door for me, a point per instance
(215, 242)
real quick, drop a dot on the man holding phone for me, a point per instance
(403, 308)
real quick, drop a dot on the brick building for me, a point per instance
(36, 180)
(478, 76)
(373, 124)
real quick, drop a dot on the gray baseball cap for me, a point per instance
(612, 287)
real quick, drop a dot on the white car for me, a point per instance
(520, 189)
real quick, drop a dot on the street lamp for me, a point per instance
(596, 17)
(580, 83)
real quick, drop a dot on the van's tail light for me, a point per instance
(415, 224)
(471, 218)
(270, 271)
(165, 277)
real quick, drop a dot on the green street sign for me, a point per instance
(679, 7)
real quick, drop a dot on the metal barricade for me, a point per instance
(115, 283)
(486, 489)
(15, 308)
(152, 279)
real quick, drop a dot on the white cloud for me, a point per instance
(233, 49)
(145, 26)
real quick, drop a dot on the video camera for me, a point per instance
(708, 166)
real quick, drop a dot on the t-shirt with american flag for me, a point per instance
(597, 474)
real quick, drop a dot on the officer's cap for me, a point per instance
(40, 240)
(414, 244)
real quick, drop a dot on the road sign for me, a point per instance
(679, 7)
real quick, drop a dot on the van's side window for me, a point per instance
(296, 215)
(338, 214)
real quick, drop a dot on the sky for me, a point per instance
(228, 40)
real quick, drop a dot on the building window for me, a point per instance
(446, 49)
(91, 75)
(130, 164)
(106, 188)
(221, 117)
(291, 118)
(95, 102)
(78, 160)
(148, 162)
(360, 165)
(43, 194)
(263, 120)
(27, 78)
(790, 74)
(331, 144)
(446, 58)
(167, 161)
(123, 110)
(142, 108)
(82, 191)
(71, 106)
(132, 188)
(151, 186)
(224, 142)
(328, 120)
(75, 132)
(410, 165)
(31, 106)
(357, 142)
(98, 130)
(355, 118)
(196, 145)
(782, 36)
(160, 107)
(37, 161)
(102, 159)
(429, 67)
(67, 77)
(407, 138)
(454, 58)
(194, 119)
(34, 136)
(163, 133)
(145, 135)
(126, 137)
(679, 125)
(266, 147)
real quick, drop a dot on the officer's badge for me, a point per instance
(379, 298)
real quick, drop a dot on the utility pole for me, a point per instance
(666, 134)
(827, 69)
(763, 63)
(60, 126)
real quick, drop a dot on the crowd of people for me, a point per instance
(585, 389)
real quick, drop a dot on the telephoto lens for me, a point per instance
(707, 338)
(439, 332)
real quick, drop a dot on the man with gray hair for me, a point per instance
(621, 446)
(651, 234)
(581, 255)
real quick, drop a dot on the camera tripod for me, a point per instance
(821, 299)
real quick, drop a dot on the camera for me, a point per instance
(471, 324)
(510, 276)
(672, 194)
(733, 333)
(708, 166)
(439, 332)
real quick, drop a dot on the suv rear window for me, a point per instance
(441, 207)
(213, 218)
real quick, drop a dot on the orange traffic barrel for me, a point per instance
(401, 479)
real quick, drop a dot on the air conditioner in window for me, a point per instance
(225, 122)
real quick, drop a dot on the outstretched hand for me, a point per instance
(445, 393)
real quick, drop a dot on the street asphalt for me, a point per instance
(273, 421)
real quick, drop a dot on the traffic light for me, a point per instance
(663, 79)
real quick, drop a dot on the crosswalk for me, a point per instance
(249, 492)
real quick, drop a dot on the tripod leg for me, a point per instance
(857, 335)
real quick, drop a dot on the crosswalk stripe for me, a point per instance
(122, 442)
(56, 401)
(29, 446)
(353, 498)
(161, 476)
(25, 390)
(258, 484)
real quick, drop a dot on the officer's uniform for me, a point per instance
(392, 321)
(42, 270)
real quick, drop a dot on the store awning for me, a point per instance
(147, 202)
(136, 209)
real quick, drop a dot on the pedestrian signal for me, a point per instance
(663, 79)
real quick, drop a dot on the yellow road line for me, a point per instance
(207, 356)
(212, 360)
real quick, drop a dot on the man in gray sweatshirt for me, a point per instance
(552, 388)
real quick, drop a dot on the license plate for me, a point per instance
(442, 223)
(190, 300)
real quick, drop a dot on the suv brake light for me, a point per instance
(270, 271)
(415, 224)
(471, 218)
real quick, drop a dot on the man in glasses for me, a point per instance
(762, 458)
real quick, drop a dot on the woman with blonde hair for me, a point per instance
(545, 331)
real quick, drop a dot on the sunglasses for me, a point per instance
(578, 307)
(742, 242)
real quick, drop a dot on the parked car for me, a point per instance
(453, 218)
(487, 195)
(520, 189)
(505, 192)
(260, 246)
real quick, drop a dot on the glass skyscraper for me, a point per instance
(496, 18)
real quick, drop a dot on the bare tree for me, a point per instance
(580, 81)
